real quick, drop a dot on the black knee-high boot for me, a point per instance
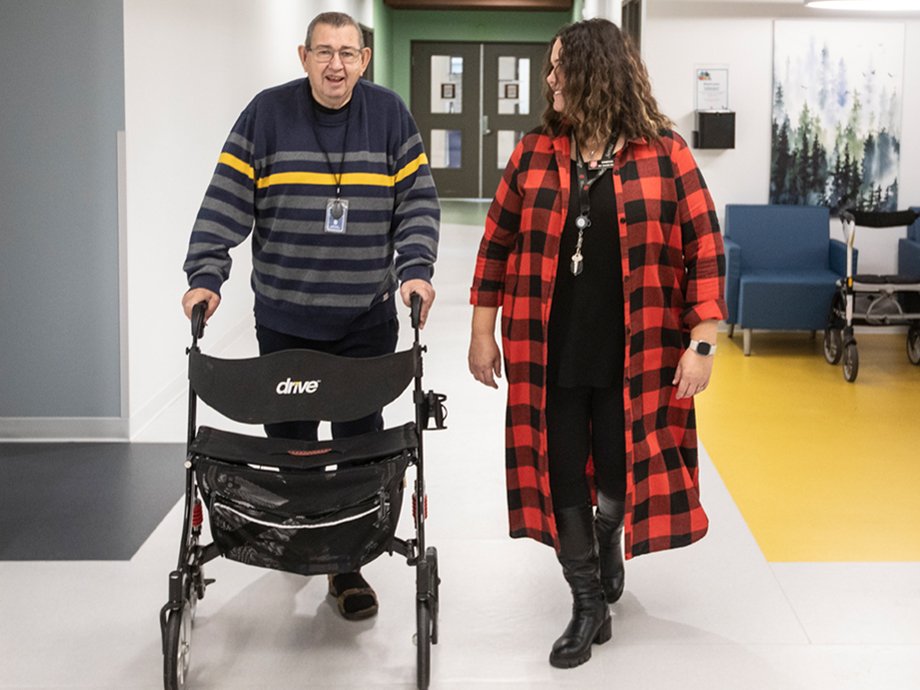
(591, 622)
(608, 525)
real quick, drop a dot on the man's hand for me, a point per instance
(193, 297)
(424, 290)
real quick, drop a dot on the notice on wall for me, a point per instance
(712, 88)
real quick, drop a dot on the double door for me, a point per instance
(472, 103)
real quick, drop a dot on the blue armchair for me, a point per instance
(781, 267)
(909, 263)
(909, 250)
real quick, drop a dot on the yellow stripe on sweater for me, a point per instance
(364, 179)
(367, 179)
(235, 163)
(412, 167)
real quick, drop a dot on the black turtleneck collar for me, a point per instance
(320, 108)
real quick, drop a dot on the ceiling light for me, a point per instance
(866, 5)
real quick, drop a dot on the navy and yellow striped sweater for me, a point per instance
(273, 179)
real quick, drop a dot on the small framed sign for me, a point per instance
(712, 88)
(448, 91)
(511, 91)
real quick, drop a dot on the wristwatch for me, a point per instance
(701, 347)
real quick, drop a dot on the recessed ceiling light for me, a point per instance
(867, 5)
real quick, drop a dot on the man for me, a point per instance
(330, 176)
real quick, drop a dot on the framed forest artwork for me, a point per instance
(837, 94)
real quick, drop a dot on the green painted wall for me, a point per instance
(405, 26)
(382, 44)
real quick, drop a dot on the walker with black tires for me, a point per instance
(871, 300)
(303, 507)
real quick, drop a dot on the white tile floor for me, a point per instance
(715, 615)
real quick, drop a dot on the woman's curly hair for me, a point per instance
(605, 85)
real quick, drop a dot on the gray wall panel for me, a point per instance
(61, 106)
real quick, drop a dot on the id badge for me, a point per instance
(336, 215)
(603, 164)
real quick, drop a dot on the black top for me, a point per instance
(586, 323)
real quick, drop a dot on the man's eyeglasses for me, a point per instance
(346, 55)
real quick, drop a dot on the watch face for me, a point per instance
(703, 348)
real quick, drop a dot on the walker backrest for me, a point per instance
(301, 384)
(888, 219)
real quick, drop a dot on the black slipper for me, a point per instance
(355, 598)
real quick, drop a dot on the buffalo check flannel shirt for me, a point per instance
(673, 278)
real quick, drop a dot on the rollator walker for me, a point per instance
(302, 507)
(871, 300)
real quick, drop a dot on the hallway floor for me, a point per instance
(714, 615)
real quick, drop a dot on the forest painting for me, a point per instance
(837, 92)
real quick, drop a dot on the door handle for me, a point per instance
(485, 125)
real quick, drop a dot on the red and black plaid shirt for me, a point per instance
(673, 278)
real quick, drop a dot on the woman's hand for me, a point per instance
(693, 373)
(693, 370)
(485, 358)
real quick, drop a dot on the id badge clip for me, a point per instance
(336, 215)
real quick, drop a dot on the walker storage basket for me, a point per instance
(304, 508)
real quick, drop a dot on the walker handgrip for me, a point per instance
(198, 312)
(415, 303)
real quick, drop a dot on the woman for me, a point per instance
(602, 249)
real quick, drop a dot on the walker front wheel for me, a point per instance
(423, 640)
(850, 362)
(177, 652)
(913, 345)
(833, 341)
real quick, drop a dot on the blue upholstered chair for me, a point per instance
(909, 250)
(909, 263)
(781, 267)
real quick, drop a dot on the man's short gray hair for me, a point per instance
(336, 20)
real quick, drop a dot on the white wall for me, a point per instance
(679, 35)
(191, 66)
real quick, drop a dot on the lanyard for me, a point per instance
(338, 208)
(587, 175)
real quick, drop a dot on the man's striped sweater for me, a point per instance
(277, 171)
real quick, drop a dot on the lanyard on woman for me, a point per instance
(587, 175)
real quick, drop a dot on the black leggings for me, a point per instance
(585, 421)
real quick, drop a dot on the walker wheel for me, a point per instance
(423, 641)
(832, 345)
(913, 345)
(431, 554)
(850, 362)
(178, 648)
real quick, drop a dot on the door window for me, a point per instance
(445, 148)
(446, 84)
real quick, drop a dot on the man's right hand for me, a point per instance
(193, 297)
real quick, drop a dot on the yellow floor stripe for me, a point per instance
(822, 470)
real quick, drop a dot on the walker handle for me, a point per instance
(198, 312)
(415, 303)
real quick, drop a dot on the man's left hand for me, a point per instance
(424, 290)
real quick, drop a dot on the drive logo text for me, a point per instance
(290, 387)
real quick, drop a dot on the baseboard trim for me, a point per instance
(36, 429)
